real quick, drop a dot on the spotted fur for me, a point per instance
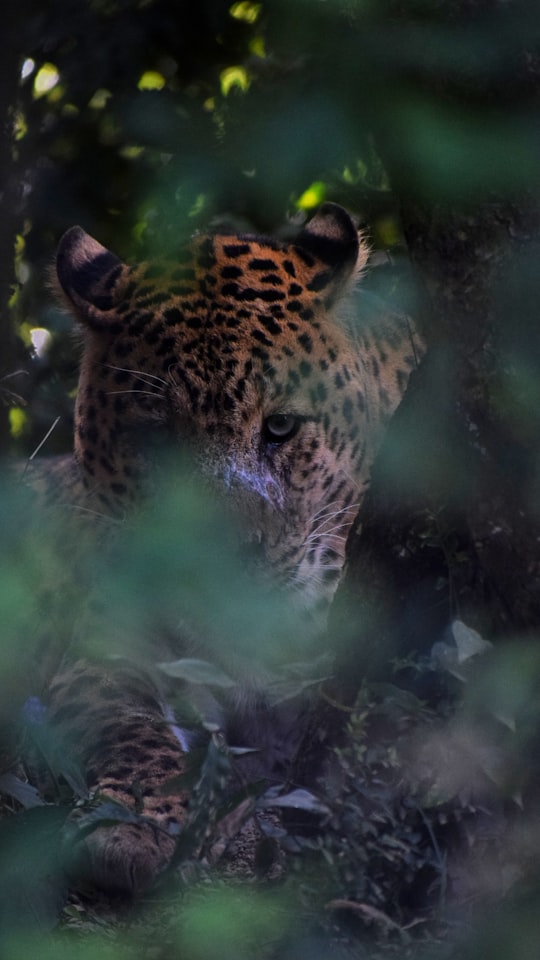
(242, 350)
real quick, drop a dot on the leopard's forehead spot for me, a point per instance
(229, 283)
(231, 300)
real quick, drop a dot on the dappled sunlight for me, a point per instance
(45, 80)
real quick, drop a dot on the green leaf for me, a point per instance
(298, 799)
(469, 643)
(24, 793)
(197, 671)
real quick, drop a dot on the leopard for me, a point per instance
(254, 357)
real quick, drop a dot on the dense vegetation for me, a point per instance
(145, 121)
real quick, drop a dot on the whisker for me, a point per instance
(311, 540)
(146, 393)
(319, 515)
(321, 530)
(324, 508)
(354, 481)
(39, 446)
(96, 513)
(141, 374)
(45, 438)
(329, 517)
(171, 371)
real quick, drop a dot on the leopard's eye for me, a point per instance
(280, 427)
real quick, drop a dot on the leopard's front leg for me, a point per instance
(111, 720)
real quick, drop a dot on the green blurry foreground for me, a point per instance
(423, 822)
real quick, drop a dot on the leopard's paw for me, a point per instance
(124, 859)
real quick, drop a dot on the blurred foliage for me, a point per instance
(428, 804)
(145, 121)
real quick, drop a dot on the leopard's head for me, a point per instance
(241, 350)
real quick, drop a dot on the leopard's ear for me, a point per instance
(90, 277)
(332, 238)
